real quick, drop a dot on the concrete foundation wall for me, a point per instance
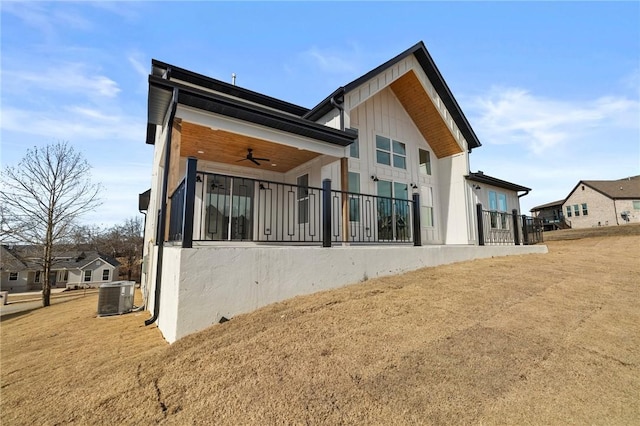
(203, 284)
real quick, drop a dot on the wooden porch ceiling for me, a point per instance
(417, 102)
(221, 146)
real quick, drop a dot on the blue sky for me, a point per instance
(551, 89)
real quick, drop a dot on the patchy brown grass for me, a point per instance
(601, 231)
(537, 339)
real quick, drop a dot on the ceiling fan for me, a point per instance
(251, 158)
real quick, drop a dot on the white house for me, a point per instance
(254, 199)
(21, 269)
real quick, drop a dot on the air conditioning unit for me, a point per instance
(115, 298)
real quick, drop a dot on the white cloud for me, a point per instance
(334, 60)
(47, 18)
(516, 116)
(70, 78)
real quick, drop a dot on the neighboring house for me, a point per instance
(551, 214)
(603, 203)
(21, 270)
(248, 189)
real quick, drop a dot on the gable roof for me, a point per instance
(9, 261)
(621, 189)
(482, 178)
(429, 67)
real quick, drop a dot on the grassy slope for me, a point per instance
(544, 339)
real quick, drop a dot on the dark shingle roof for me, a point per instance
(9, 261)
(544, 206)
(627, 188)
(482, 178)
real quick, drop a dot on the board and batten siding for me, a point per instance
(381, 82)
(384, 115)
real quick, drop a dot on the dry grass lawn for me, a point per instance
(537, 339)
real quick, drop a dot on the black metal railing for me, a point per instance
(234, 208)
(176, 212)
(503, 228)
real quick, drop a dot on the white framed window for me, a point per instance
(498, 207)
(424, 157)
(105, 275)
(390, 152)
(585, 211)
(13, 276)
(63, 276)
(568, 211)
(576, 210)
(426, 209)
(36, 279)
(636, 204)
(87, 275)
(354, 148)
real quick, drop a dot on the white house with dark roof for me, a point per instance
(21, 271)
(254, 199)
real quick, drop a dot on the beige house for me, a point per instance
(603, 203)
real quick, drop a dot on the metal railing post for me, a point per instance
(516, 237)
(189, 200)
(326, 213)
(417, 235)
(525, 231)
(480, 224)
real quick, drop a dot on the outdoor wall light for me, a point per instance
(414, 186)
(374, 178)
(198, 178)
(476, 186)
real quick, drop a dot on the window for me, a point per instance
(426, 211)
(303, 199)
(576, 210)
(36, 279)
(636, 204)
(87, 275)
(13, 276)
(498, 207)
(105, 275)
(585, 212)
(354, 200)
(63, 276)
(568, 211)
(425, 162)
(354, 149)
(387, 149)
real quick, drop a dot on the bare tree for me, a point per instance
(42, 197)
(124, 242)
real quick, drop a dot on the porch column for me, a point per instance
(189, 200)
(344, 187)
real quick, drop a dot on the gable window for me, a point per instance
(585, 212)
(354, 200)
(576, 210)
(568, 211)
(303, 199)
(36, 279)
(425, 162)
(105, 275)
(354, 149)
(13, 276)
(391, 152)
(87, 275)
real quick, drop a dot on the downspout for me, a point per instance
(163, 209)
(144, 227)
(337, 101)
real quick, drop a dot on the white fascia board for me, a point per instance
(218, 122)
